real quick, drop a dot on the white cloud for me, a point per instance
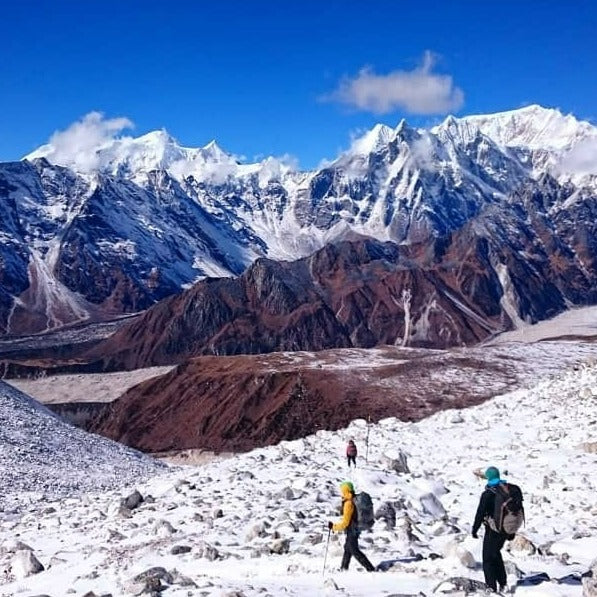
(274, 168)
(78, 145)
(582, 158)
(419, 91)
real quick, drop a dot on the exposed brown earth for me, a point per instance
(349, 294)
(238, 403)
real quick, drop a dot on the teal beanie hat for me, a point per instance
(492, 473)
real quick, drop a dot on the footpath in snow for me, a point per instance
(255, 524)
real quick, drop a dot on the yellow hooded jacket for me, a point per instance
(347, 509)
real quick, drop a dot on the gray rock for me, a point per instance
(387, 513)
(149, 581)
(399, 464)
(432, 505)
(513, 569)
(256, 530)
(286, 494)
(124, 512)
(132, 501)
(522, 545)
(460, 584)
(465, 557)
(312, 539)
(279, 546)
(589, 586)
(244, 476)
(56, 561)
(183, 581)
(209, 552)
(218, 513)
(163, 528)
(24, 564)
(180, 549)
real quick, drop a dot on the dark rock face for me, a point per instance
(455, 291)
(73, 250)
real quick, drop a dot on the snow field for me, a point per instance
(256, 523)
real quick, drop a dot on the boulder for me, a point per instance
(589, 586)
(460, 585)
(208, 552)
(590, 447)
(522, 545)
(286, 494)
(149, 581)
(396, 461)
(387, 513)
(25, 564)
(453, 549)
(180, 549)
(432, 505)
(163, 528)
(132, 501)
(279, 546)
(256, 530)
(312, 539)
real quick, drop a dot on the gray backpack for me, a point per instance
(364, 506)
(508, 513)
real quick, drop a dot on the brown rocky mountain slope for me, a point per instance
(455, 291)
(241, 402)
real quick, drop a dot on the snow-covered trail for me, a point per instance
(255, 524)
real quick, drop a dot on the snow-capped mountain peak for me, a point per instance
(374, 140)
(532, 127)
(135, 157)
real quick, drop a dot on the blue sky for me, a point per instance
(269, 78)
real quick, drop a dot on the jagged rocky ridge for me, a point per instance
(152, 217)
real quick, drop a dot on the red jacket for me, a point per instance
(351, 450)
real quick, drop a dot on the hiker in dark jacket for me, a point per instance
(350, 524)
(351, 453)
(493, 541)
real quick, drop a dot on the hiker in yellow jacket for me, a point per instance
(350, 524)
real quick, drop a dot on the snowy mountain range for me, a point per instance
(114, 228)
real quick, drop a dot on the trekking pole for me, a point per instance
(367, 440)
(325, 557)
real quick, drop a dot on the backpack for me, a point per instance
(508, 513)
(364, 508)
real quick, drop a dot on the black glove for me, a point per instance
(330, 525)
(475, 536)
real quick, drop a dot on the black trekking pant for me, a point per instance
(351, 548)
(493, 564)
(352, 459)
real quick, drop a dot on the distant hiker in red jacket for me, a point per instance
(351, 453)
